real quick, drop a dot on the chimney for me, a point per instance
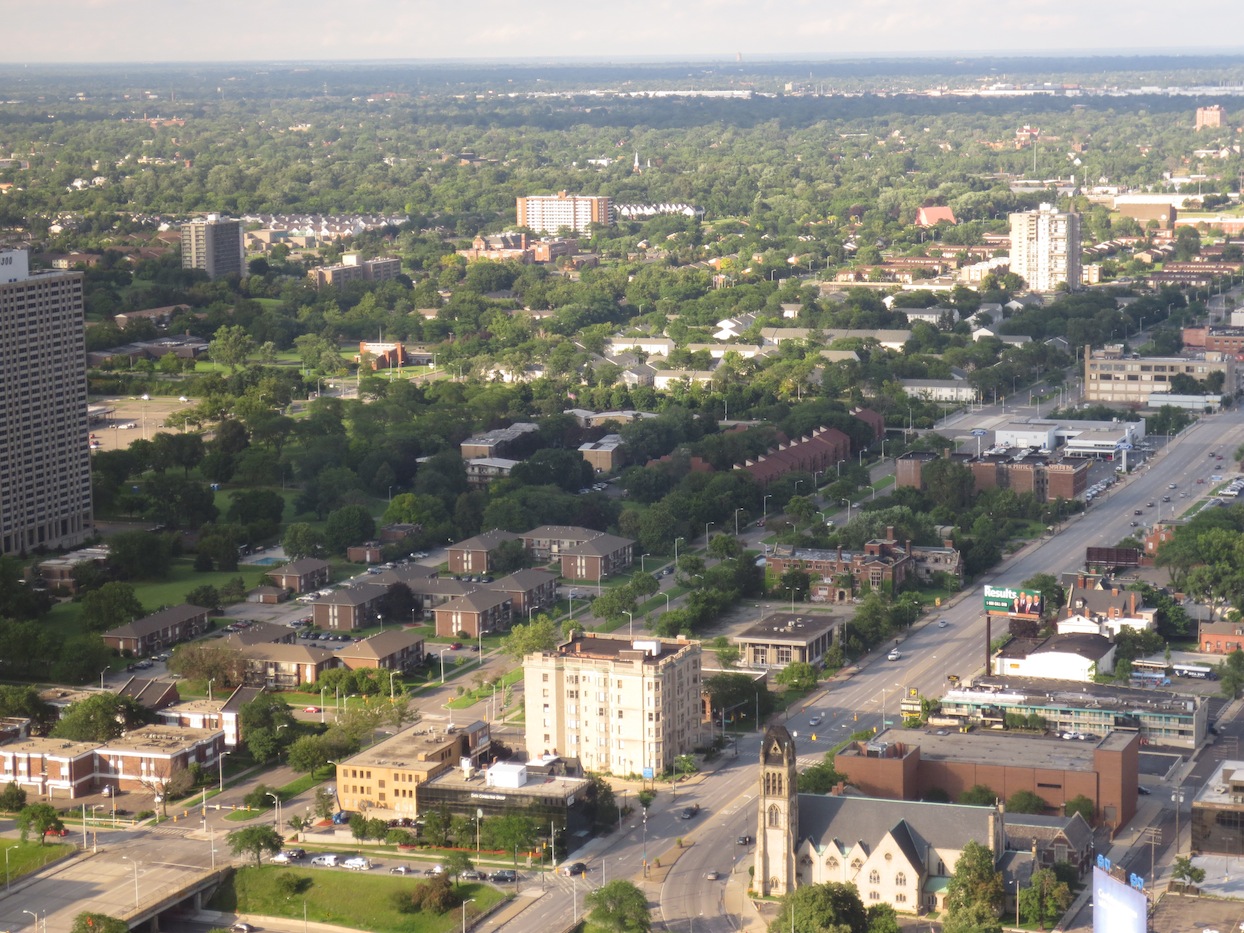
(945, 453)
(908, 547)
(889, 532)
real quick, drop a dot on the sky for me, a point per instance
(85, 31)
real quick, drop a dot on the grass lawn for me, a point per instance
(361, 900)
(24, 858)
(471, 697)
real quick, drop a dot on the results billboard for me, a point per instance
(1007, 601)
(1117, 908)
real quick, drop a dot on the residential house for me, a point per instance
(302, 576)
(394, 649)
(472, 555)
(148, 757)
(348, 608)
(159, 630)
(479, 611)
(530, 590)
(597, 558)
(286, 666)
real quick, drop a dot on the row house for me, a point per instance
(148, 757)
(473, 554)
(479, 611)
(597, 558)
(301, 576)
(286, 666)
(818, 452)
(217, 715)
(391, 650)
(49, 768)
(349, 608)
(158, 630)
(529, 590)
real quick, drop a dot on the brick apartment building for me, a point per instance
(159, 630)
(301, 576)
(1047, 480)
(472, 555)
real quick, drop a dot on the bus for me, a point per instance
(1196, 671)
(1149, 679)
(1144, 664)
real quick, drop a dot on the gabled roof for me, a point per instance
(358, 595)
(149, 692)
(157, 621)
(301, 567)
(1023, 829)
(601, 546)
(522, 581)
(845, 821)
(239, 698)
(485, 541)
(291, 654)
(475, 601)
(382, 645)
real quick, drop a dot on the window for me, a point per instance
(775, 815)
(874, 895)
(900, 898)
(856, 864)
(831, 863)
(874, 877)
(900, 880)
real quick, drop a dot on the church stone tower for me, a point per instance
(777, 824)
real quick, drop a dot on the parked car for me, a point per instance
(744, 840)
(574, 868)
(456, 646)
(358, 863)
(473, 875)
(295, 854)
(281, 858)
(434, 870)
(401, 870)
(326, 861)
(504, 876)
(241, 927)
(310, 709)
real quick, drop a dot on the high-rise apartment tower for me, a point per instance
(214, 245)
(550, 213)
(1045, 248)
(45, 465)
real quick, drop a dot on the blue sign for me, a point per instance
(979, 433)
(648, 774)
(1125, 446)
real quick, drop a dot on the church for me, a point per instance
(896, 852)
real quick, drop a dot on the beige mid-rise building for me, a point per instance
(214, 245)
(549, 213)
(1045, 248)
(45, 465)
(619, 706)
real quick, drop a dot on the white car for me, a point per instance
(814, 721)
(281, 858)
(894, 655)
(942, 623)
(327, 861)
(358, 864)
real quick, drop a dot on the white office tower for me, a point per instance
(45, 465)
(1045, 248)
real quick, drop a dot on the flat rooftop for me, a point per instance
(992, 747)
(1032, 691)
(45, 747)
(1217, 792)
(159, 740)
(593, 647)
(788, 626)
(537, 786)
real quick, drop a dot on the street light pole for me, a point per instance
(392, 674)
(707, 526)
(442, 654)
(630, 624)
(676, 540)
(736, 521)
(469, 900)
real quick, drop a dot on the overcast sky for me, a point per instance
(267, 30)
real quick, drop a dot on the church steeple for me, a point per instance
(777, 824)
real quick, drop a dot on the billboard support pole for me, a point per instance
(988, 640)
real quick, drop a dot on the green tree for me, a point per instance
(91, 922)
(255, 841)
(1048, 586)
(347, 526)
(620, 907)
(1231, 674)
(455, 864)
(818, 908)
(538, 635)
(1182, 870)
(798, 675)
(112, 605)
(231, 347)
(978, 795)
(975, 887)
(39, 818)
(1025, 801)
(820, 778)
(1082, 805)
(100, 718)
(1045, 898)
(882, 918)
(302, 540)
(209, 660)
(12, 798)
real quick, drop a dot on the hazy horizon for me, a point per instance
(156, 32)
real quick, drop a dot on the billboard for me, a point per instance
(1008, 601)
(1117, 908)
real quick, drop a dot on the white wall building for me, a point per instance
(1045, 248)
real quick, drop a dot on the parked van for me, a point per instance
(327, 861)
(358, 864)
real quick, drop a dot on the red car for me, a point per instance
(56, 832)
(456, 646)
(310, 709)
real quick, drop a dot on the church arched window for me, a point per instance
(775, 815)
(856, 864)
(874, 877)
(831, 863)
(900, 880)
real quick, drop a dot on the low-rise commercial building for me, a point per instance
(381, 781)
(1218, 811)
(1157, 717)
(1113, 377)
(783, 638)
(907, 764)
(606, 455)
